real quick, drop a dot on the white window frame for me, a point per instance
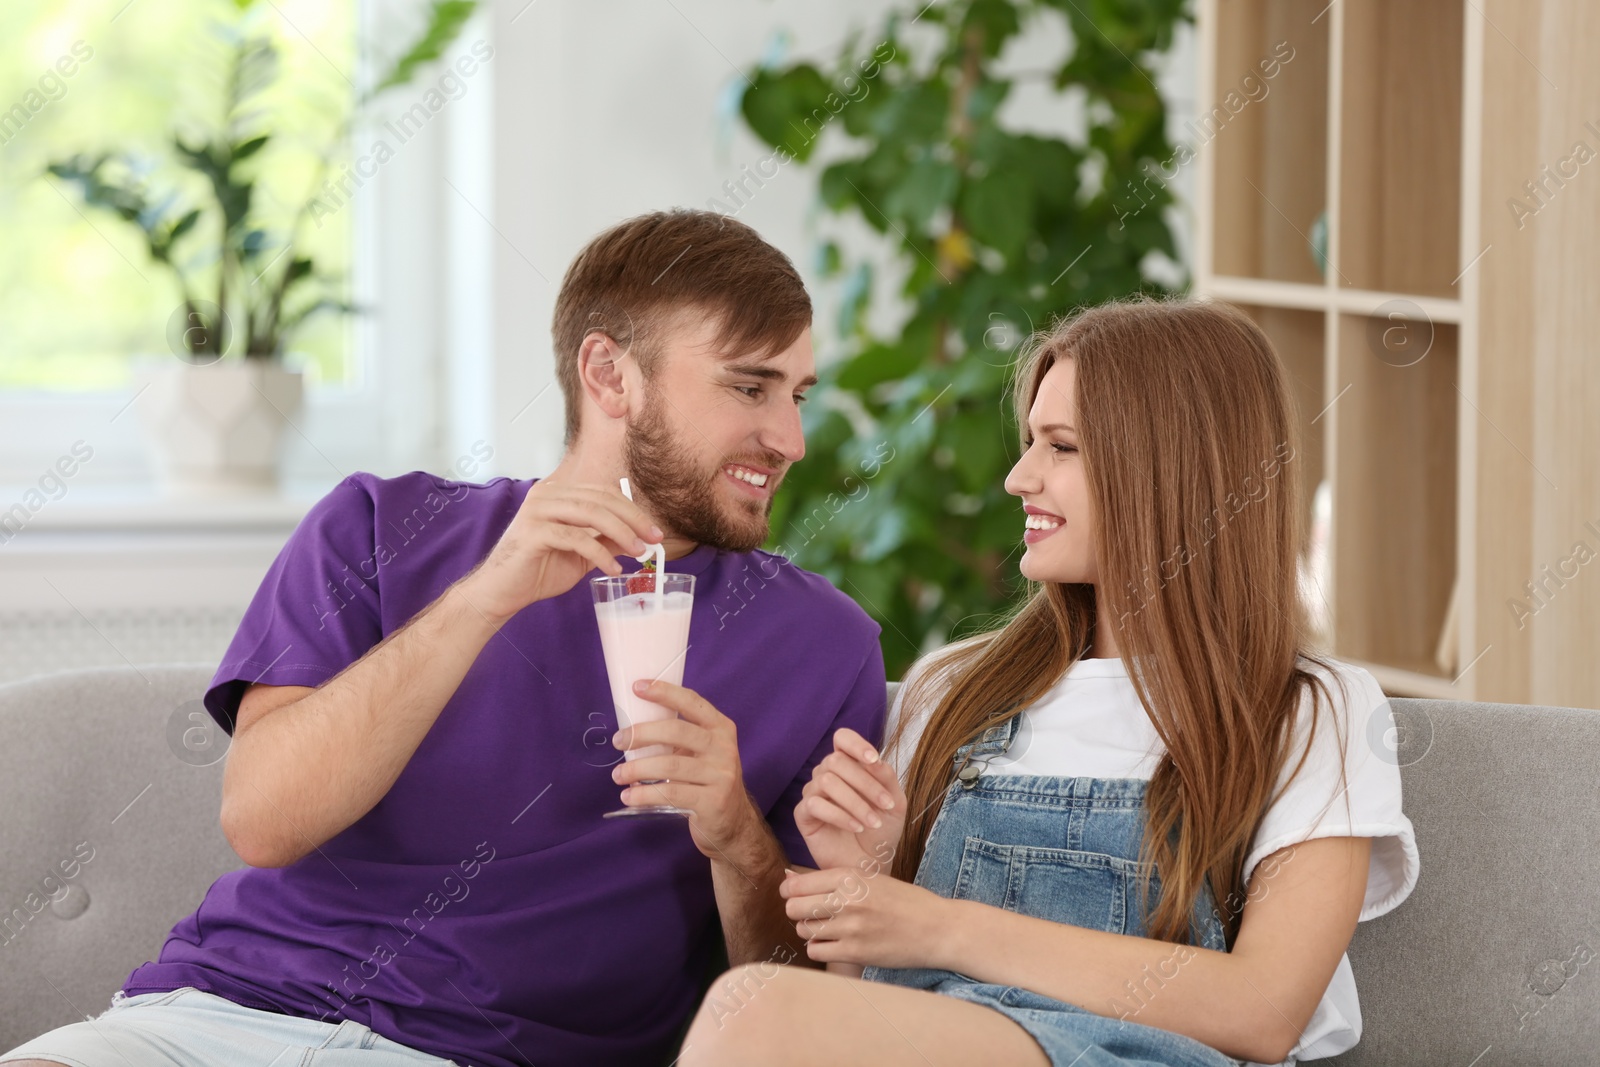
(422, 365)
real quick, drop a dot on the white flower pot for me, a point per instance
(217, 428)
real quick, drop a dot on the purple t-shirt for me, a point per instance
(484, 911)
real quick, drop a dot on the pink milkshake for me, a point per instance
(644, 634)
(644, 640)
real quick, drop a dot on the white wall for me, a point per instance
(602, 111)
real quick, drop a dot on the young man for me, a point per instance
(422, 726)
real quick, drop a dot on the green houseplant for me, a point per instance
(998, 232)
(244, 285)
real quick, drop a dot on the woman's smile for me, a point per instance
(1039, 524)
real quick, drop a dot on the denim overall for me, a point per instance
(1063, 849)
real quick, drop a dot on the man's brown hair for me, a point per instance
(630, 281)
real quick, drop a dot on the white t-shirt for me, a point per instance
(1091, 725)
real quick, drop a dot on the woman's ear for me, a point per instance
(602, 373)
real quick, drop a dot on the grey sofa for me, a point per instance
(1490, 963)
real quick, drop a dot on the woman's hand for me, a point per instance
(848, 915)
(853, 808)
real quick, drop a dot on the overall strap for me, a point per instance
(996, 739)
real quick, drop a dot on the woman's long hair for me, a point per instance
(1188, 439)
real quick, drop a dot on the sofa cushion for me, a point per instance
(110, 785)
(111, 790)
(1497, 950)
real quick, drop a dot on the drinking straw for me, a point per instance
(655, 549)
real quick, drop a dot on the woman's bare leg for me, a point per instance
(773, 1016)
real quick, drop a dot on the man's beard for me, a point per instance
(685, 500)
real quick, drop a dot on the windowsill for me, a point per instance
(128, 548)
(91, 508)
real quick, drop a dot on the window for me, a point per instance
(81, 300)
(81, 293)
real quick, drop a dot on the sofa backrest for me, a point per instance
(110, 787)
(1496, 953)
(110, 790)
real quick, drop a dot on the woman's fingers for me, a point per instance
(866, 779)
(825, 811)
(843, 795)
(814, 928)
(815, 907)
(847, 740)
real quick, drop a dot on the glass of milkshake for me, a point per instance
(644, 633)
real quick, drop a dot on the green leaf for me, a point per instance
(995, 20)
(183, 225)
(998, 210)
(1052, 167)
(255, 69)
(253, 244)
(986, 99)
(214, 162)
(855, 298)
(914, 114)
(974, 437)
(928, 186)
(444, 25)
(789, 108)
(246, 149)
(299, 268)
(1000, 522)
(840, 184)
(829, 260)
(878, 363)
(888, 535)
(913, 438)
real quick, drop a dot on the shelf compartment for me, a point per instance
(1298, 337)
(1400, 84)
(1394, 489)
(1268, 201)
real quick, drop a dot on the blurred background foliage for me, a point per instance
(900, 500)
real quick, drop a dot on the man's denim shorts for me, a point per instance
(191, 1028)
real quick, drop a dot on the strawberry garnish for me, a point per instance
(643, 582)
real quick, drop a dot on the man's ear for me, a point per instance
(602, 372)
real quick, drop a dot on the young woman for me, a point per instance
(1138, 823)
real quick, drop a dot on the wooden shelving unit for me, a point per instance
(1355, 205)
